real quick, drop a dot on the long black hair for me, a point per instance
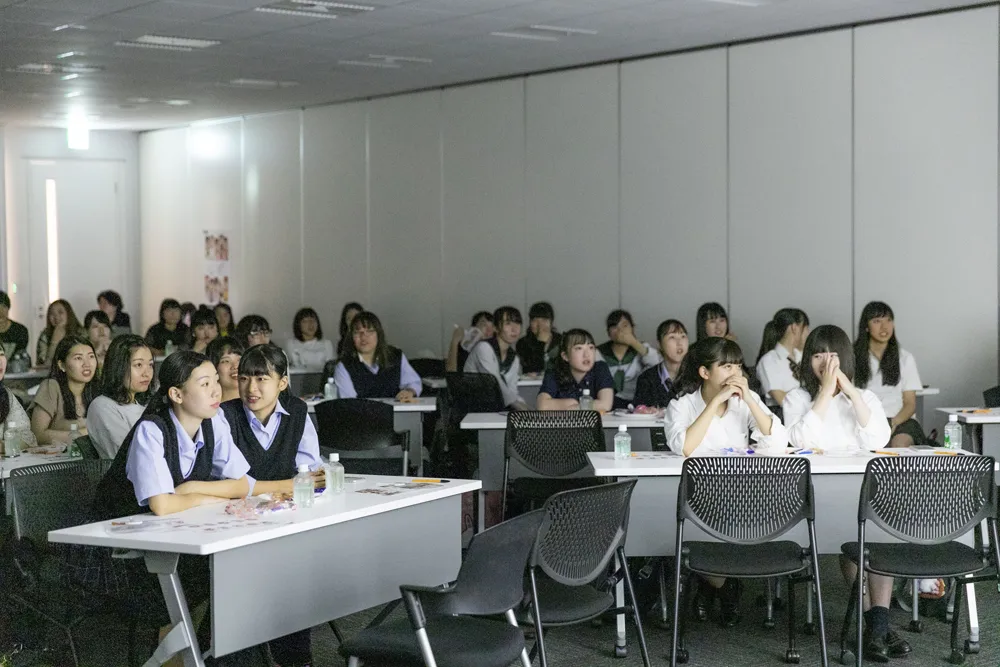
(709, 311)
(368, 320)
(232, 322)
(297, 323)
(117, 374)
(59, 375)
(825, 338)
(248, 324)
(344, 344)
(4, 394)
(561, 367)
(263, 360)
(775, 330)
(174, 372)
(115, 299)
(889, 365)
(705, 352)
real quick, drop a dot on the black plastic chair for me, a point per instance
(746, 503)
(50, 497)
(428, 368)
(552, 444)
(446, 625)
(87, 449)
(474, 392)
(362, 432)
(582, 531)
(991, 397)
(926, 502)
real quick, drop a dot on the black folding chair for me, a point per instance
(362, 432)
(428, 368)
(582, 531)
(746, 503)
(553, 445)
(446, 625)
(991, 397)
(926, 502)
(474, 392)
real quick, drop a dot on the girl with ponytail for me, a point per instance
(780, 354)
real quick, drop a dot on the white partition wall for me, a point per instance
(483, 232)
(789, 182)
(404, 269)
(571, 193)
(272, 223)
(335, 196)
(925, 108)
(673, 180)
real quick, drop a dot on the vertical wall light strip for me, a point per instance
(441, 266)
(302, 206)
(729, 184)
(854, 188)
(52, 237)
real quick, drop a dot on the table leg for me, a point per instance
(620, 639)
(182, 638)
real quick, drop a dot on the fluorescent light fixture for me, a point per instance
(741, 3)
(68, 54)
(166, 40)
(74, 93)
(139, 45)
(70, 77)
(78, 130)
(207, 144)
(52, 233)
(68, 26)
(336, 5)
(177, 103)
(525, 35)
(261, 84)
(314, 10)
(400, 59)
(138, 100)
(369, 63)
(563, 30)
(54, 68)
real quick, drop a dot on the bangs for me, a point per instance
(575, 337)
(256, 362)
(828, 338)
(876, 309)
(730, 353)
(365, 320)
(714, 311)
(668, 327)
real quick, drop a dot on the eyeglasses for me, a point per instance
(260, 332)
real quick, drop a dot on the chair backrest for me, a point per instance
(52, 496)
(581, 530)
(355, 424)
(554, 443)
(474, 392)
(928, 499)
(745, 499)
(428, 368)
(491, 580)
(991, 397)
(87, 449)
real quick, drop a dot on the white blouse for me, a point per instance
(311, 354)
(892, 395)
(733, 429)
(775, 373)
(839, 430)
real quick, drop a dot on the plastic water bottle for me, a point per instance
(586, 401)
(12, 440)
(303, 487)
(623, 444)
(73, 449)
(953, 433)
(169, 348)
(335, 475)
(330, 389)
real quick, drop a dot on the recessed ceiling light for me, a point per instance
(139, 45)
(290, 7)
(525, 35)
(563, 30)
(369, 63)
(68, 26)
(261, 84)
(70, 77)
(54, 68)
(346, 6)
(74, 93)
(177, 103)
(165, 40)
(400, 59)
(68, 54)
(741, 3)
(138, 100)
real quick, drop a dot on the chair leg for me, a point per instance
(503, 499)
(512, 619)
(536, 612)
(792, 654)
(957, 656)
(353, 661)
(814, 557)
(72, 647)
(769, 597)
(859, 629)
(635, 606)
(662, 572)
(852, 600)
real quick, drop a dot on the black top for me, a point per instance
(122, 320)
(596, 379)
(157, 336)
(115, 495)
(16, 334)
(650, 391)
(536, 355)
(383, 384)
(278, 461)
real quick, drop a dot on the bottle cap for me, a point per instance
(622, 428)
(303, 467)
(11, 424)
(953, 418)
(586, 392)
(329, 380)
(334, 458)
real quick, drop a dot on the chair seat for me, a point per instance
(542, 488)
(457, 641)
(745, 560)
(564, 605)
(949, 559)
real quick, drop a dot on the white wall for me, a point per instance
(777, 173)
(19, 146)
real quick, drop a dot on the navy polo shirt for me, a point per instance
(596, 379)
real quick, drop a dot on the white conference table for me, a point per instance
(988, 418)
(406, 416)
(348, 552)
(836, 480)
(492, 428)
(527, 386)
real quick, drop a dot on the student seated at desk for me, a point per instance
(371, 368)
(64, 397)
(540, 347)
(498, 356)
(60, 322)
(463, 340)
(627, 356)
(656, 386)
(98, 328)
(308, 349)
(780, 353)
(830, 413)
(11, 411)
(204, 329)
(253, 330)
(712, 321)
(347, 314)
(169, 329)
(13, 336)
(575, 369)
(180, 454)
(224, 353)
(891, 372)
(125, 382)
(111, 303)
(224, 318)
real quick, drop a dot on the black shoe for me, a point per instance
(896, 646)
(876, 649)
(729, 596)
(703, 600)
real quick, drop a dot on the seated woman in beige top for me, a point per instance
(64, 397)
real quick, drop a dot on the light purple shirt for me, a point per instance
(408, 378)
(147, 467)
(308, 453)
